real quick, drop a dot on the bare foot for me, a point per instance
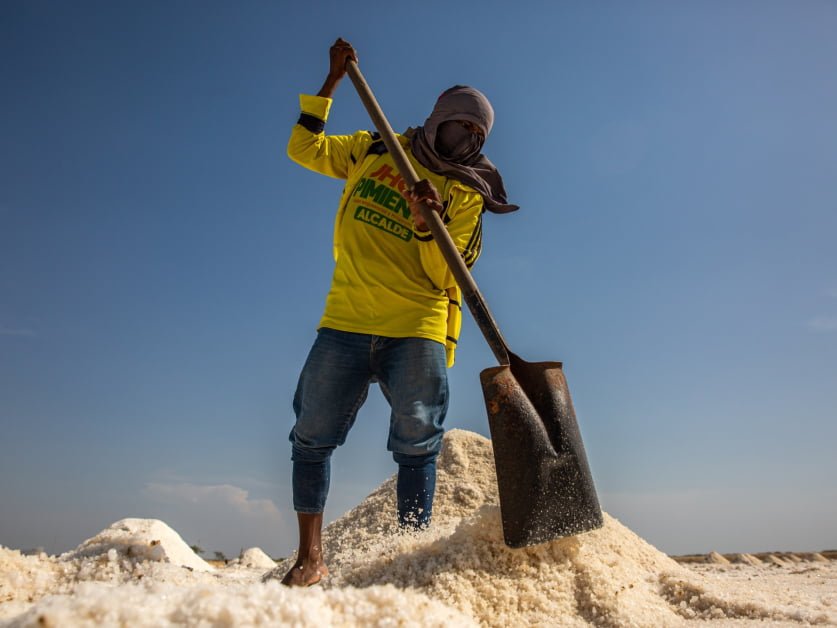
(305, 573)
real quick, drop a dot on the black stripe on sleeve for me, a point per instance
(311, 123)
(474, 246)
(475, 235)
(471, 256)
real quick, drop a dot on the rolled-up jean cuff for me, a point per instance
(306, 511)
(310, 455)
(414, 461)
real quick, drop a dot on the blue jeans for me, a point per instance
(333, 385)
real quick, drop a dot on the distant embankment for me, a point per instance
(781, 559)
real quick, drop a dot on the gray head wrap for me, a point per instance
(453, 151)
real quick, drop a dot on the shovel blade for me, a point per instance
(546, 489)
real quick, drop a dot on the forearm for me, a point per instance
(329, 86)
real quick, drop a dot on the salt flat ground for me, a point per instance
(32, 593)
(811, 588)
(140, 572)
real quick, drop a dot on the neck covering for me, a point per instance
(453, 151)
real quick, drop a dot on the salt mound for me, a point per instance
(140, 539)
(717, 559)
(772, 559)
(746, 559)
(254, 558)
(608, 577)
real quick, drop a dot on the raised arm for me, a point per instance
(308, 145)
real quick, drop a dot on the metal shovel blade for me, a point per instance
(546, 489)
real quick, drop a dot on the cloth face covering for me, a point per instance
(456, 143)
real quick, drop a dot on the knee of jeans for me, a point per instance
(317, 434)
(415, 440)
(304, 450)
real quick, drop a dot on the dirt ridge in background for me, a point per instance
(764, 557)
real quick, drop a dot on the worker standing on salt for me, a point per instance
(393, 313)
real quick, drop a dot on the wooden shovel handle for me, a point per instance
(470, 291)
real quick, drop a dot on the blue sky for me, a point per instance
(163, 265)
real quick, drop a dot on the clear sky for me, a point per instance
(163, 264)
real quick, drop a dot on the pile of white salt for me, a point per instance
(607, 577)
(458, 573)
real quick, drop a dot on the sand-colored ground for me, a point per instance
(141, 573)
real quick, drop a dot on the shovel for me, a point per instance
(545, 486)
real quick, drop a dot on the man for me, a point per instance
(392, 314)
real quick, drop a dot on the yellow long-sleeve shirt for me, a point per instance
(389, 278)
